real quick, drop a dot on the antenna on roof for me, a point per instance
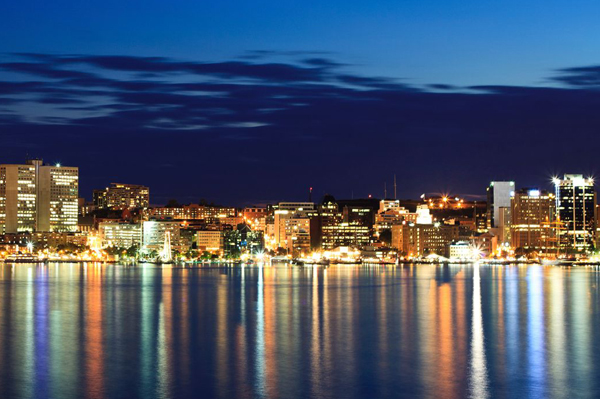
(384, 190)
(395, 197)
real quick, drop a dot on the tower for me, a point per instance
(575, 211)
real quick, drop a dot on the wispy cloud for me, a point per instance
(305, 113)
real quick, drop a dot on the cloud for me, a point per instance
(579, 76)
(309, 119)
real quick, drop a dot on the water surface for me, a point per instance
(90, 331)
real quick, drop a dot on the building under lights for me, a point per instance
(120, 234)
(291, 226)
(242, 240)
(575, 213)
(210, 241)
(209, 214)
(422, 239)
(122, 196)
(38, 197)
(532, 228)
(498, 196)
(154, 233)
(345, 234)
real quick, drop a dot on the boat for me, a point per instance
(22, 258)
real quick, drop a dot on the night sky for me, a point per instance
(243, 102)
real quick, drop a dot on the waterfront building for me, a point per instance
(485, 243)
(327, 214)
(291, 226)
(533, 212)
(58, 188)
(498, 196)
(242, 240)
(575, 212)
(18, 198)
(120, 234)
(38, 197)
(423, 239)
(461, 250)
(210, 241)
(154, 233)
(122, 196)
(345, 234)
(294, 235)
(504, 222)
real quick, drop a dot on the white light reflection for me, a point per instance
(260, 337)
(478, 383)
(535, 349)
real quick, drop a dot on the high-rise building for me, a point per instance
(58, 194)
(532, 213)
(122, 196)
(575, 212)
(17, 198)
(37, 197)
(498, 196)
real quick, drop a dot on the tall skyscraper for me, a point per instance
(17, 198)
(58, 193)
(576, 212)
(498, 196)
(37, 197)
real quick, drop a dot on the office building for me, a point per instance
(461, 250)
(122, 196)
(345, 234)
(575, 212)
(498, 195)
(210, 241)
(119, 234)
(58, 193)
(154, 235)
(532, 228)
(242, 240)
(291, 226)
(423, 239)
(18, 197)
(208, 214)
(38, 197)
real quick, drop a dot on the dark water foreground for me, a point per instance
(70, 331)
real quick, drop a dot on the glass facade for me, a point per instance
(575, 211)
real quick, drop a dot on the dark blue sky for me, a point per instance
(242, 102)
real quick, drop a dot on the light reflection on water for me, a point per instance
(478, 383)
(455, 331)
